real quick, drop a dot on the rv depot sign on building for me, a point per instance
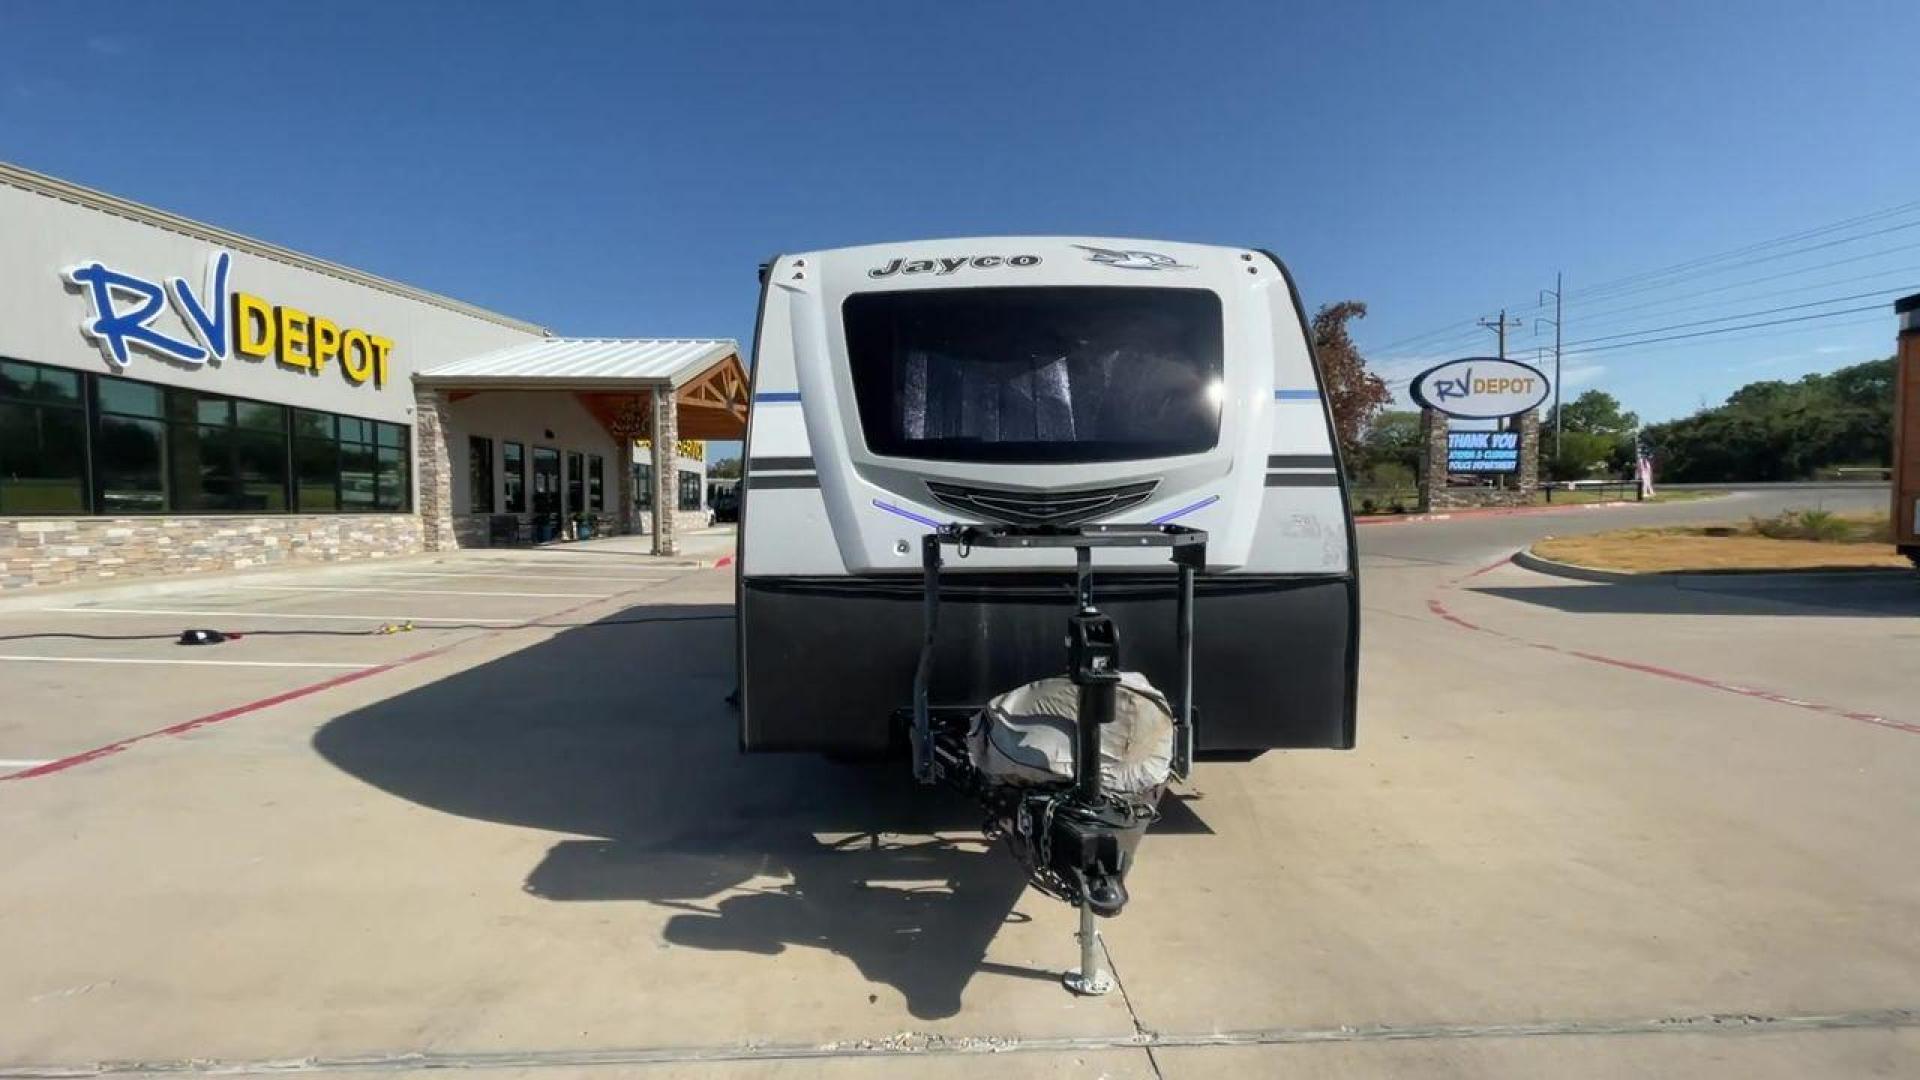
(1480, 388)
(221, 323)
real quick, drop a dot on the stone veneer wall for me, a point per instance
(58, 551)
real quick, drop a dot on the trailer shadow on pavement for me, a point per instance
(582, 734)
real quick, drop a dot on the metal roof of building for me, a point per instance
(587, 363)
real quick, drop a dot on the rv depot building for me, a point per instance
(174, 398)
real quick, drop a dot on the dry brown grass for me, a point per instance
(1679, 550)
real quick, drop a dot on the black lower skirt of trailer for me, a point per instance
(826, 661)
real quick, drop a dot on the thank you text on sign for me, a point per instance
(1483, 451)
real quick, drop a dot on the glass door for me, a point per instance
(546, 493)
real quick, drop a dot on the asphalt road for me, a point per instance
(1590, 831)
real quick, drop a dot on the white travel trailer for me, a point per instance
(1028, 403)
(1038, 381)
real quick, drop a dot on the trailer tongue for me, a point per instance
(1070, 780)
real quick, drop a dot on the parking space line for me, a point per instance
(507, 575)
(342, 679)
(24, 763)
(422, 592)
(169, 660)
(217, 614)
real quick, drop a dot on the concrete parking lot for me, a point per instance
(1587, 833)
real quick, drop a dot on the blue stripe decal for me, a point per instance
(1185, 510)
(1296, 395)
(771, 396)
(908, 514)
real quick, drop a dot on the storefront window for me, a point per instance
(155, 449)
(225, 454)
(514, 459)
(129, 447)
(576, 482)
(43, 441)
(596, 482)
(316, 462)
(642, 486)
(479, 475)
(689, 490)
(546, 480)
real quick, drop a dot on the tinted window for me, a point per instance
(514, 460)
(479, 475)
(127, 464)
(1036, 374)
(43, 459)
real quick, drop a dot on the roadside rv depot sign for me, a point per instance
(221, 323)
(1480, 388)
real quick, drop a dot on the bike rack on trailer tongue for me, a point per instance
(1076, 840)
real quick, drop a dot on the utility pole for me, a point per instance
(1500, 326)
(1555, 293)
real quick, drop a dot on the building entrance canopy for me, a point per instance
(663, 390)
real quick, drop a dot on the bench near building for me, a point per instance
(175, 397)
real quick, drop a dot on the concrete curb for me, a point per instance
(1539, 564)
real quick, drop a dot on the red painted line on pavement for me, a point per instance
(1439, 608)
(185, 726)
(722, 562)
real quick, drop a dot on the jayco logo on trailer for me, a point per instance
(221, 323)
(948, 264)
(1480, 388)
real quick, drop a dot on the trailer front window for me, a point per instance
(1041, 375)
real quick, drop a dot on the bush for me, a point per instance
(1823, 526)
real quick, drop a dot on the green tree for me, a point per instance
(1595, 412)
(1775, 430)
(1393, 437)
(724, 469)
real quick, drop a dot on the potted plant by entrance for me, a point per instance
(583, 526)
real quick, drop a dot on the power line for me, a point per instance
(1727, 329)
(1805, 234)
(1769, 258)
(1609, 313)
(1746, 315)
(1618, 286)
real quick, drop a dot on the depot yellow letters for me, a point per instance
(297, 340)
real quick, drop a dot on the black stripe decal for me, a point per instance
(780, 463)
(776, 483)
(1296, 480)
(1300, 461)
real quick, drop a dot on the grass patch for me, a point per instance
(1794, 540)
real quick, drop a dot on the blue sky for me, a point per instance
(620, 169)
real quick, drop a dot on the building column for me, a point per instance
(1433, 460)
(666, 493)
(434, 489)
(1529, 454)
(623, 486)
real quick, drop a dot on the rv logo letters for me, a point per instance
(220, 322)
